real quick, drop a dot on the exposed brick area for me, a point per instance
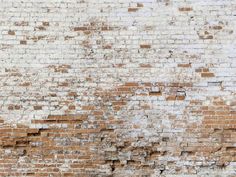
(118, 88)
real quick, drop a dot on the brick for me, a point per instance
(140, 5)
(145, 65)
(132, 9)
(131, 84)
(155, 93)
(145, 46)
(11, 32)
(184, 65)
(45, 23)
(207, 74)
(217, 27)
(37, 107)
(80, 28)
(185, 9)
(23, 42)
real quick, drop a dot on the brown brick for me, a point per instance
(132, 9)
(207, 74)
(14, 107)
(45, 23)
(119, 103)
(145, 46)
(107, 46)
(155, 93)
(185, 9)
(209, 37)
(37, 107)
(106, 28)
(145, 65)
(25, 84)
(206, 37)
(11, 32)
(139, 5)
(171, 98)
(72, 94)
(217, 27)
(180, 98)
(131, 84)
(80, 28)
(188, 65)
(205, 69)
(23, 42)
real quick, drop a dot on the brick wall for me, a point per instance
(118, 88)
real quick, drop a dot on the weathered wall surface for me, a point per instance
(118, 88)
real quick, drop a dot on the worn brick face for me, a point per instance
(118, 88)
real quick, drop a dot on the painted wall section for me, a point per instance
(118, 88)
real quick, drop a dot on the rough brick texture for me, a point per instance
(118, 88)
